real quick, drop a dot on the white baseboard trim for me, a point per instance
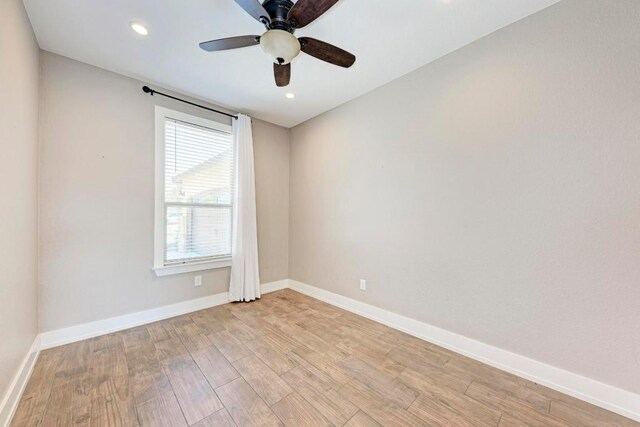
(75, 333)
(605, 396)
(278, 285)
(10, 400)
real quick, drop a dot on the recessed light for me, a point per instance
(290, 95)
(139, 28)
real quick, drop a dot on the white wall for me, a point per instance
(19, 71)
(494, 193)
(96, 198)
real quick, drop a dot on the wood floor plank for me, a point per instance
(172, 353)
(509, 421)
(378, 359)
(229, 345)
(30, 410)
(402, 339)
(34, 400)
(183, 326)
(104, 341)
(207, 323)
(75, 360)
(112, 403)
(70, 403)
(109, 362)
(215, 367)
(317, 389)
(368, 326)
(414, 357)
(328, 310)
(445, 404)
(591, 418)
(294, 411)
(135, 338)
(304, 355)
(241, 331)
(195, 342)
(269, 386)
(252, 318)
(310, 376)
(219, 314)
(430, 377)
(278, 340)
(377, 380)
(148, 379)
(245, 406)
(361, 395)
(159, 331)
(219, 419)
(360, 419)
(483, 373)
(359, 337)
(521, 393)
(391, 414)
(378, 406)
(278, 361)
(314, 342)
(161, 411)
(194, 393)
(510, 406)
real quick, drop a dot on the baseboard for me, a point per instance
(605, 396)
(105, 326)
(278, 285)
(10, 400)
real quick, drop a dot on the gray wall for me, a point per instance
(96, 198)
(494, 193)
(271, 153)
(19, 72)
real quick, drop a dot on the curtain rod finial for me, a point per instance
(147, 89)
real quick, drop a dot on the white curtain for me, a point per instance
(245, 278)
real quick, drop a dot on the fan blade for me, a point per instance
(305, 12)
(327, 52)
(282, 74)
(255, 9)
(230, 43)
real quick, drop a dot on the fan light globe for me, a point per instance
(281, 46)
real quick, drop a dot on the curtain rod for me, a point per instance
(147, 89)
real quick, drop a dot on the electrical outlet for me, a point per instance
(363, 285)
(197, 281)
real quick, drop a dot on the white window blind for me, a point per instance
(198, 192)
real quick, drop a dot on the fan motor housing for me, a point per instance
(278, 11)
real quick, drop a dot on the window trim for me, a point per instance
(159, 266)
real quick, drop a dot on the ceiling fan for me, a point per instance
(281, 19)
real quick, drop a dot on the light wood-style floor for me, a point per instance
(284, 360)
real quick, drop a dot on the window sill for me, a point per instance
(168, 270)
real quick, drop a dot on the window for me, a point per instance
(194, 193)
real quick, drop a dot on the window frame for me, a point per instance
(159, 266)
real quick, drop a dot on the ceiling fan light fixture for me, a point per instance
(282, 18)
(281, 46)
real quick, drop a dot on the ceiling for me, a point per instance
(389, 37)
